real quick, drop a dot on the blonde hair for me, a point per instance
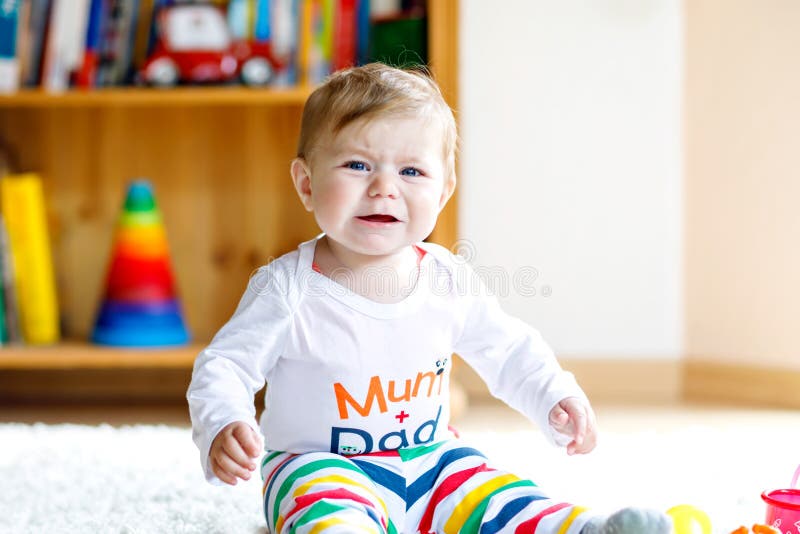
(375, 90)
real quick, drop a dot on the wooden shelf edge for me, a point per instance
(76, 355)
(139, 96)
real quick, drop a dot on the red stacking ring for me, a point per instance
(127, 275)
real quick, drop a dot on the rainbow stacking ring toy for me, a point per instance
(140, 307)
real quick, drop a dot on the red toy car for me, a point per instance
(194, 45)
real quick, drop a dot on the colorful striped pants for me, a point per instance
(441, 488)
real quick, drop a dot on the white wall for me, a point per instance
(571, 164)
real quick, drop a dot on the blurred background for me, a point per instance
(628, 180)
(642, 157)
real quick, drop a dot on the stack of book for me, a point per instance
(58, 44)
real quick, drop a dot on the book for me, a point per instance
(3, 251)
(75, 41)
(142, 47)
(152, 31)
(304, 41)
(325, 40)
(3, 331)
(117, 42)
(9, 325)
(54, 73)
(316, 25)
(35, 38)
(261, 29)
(23, 38)
(239, 16)
(362, 31)
(66, 40)
(9, 61)
(86, 75)
(284, 35)
(344, 35)
(127, 73)
(34, 280)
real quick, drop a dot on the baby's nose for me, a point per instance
(382, 186)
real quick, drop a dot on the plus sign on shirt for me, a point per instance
(349, 375)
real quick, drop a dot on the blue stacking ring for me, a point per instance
(140, 324)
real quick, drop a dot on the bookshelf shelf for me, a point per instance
(136, 96)
(78, 355)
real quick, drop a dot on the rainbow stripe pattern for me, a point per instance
(140, 307)
(441, 488)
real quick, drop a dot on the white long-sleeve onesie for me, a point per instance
(349, 375)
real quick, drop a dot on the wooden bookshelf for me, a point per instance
(77, 373)
(218, 158)
(80, 355)
(129, 97)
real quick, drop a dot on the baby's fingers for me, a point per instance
(579, 444)
(585, 438)
(231, 467)
(248, 440)
(222, 474)
(577, 416)
(234, 450)
(558, 417)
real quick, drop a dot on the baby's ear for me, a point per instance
(301, 176)
(447, 191)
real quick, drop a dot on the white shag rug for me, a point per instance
(146, 479)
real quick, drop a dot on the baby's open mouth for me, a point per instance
(377, 217)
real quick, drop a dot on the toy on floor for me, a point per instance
(757, 529)
(140, 307)
(686, 517)
(783, 507)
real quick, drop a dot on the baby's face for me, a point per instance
(379, 184)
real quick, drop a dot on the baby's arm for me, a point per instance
(234, 366)
(233, 452)
(574, 417)
(519, 367)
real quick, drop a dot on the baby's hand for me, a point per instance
(574, 417)
(233, 452)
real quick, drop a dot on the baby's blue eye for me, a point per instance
(356, 165)
(410, 171)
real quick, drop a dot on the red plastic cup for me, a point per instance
(783, 507)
